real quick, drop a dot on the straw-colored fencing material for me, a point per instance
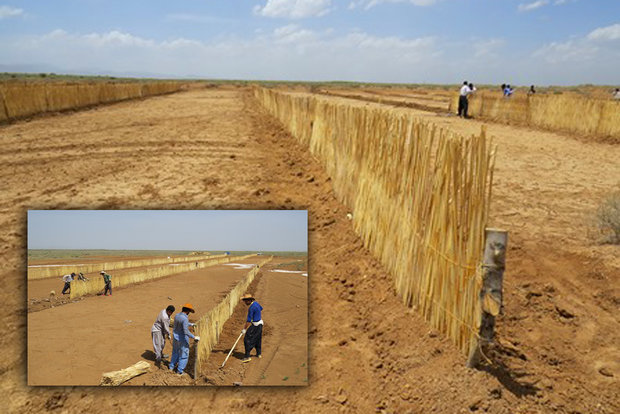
(116, 378)
(419, 197)
(43, 271)
(96, 285)
(585, 116)
(22, 99)
(211, 324)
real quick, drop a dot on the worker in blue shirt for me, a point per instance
(253, 328)
(180, 336)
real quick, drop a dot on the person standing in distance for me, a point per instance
(463, 103)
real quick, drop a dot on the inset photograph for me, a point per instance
(167, 297)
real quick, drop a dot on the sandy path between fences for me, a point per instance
(216, 149)
(284, 297)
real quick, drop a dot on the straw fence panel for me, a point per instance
(419, 196)
(22, 99)
(3, 111)
(95, 285)
(565, 113)
(210, 325)
(54, 271)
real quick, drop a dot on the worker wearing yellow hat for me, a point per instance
(180, 336)
(253, 328)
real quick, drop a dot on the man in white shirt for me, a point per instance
(463, 104)
(160, 331)
(67, 279)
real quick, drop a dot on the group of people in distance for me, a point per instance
(253, 331)
(468, 88)
(68, 279)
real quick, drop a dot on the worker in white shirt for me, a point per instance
(67, 279)
(160, 331)
(463, 104)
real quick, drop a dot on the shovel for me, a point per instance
(232, 349)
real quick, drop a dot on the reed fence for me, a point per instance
(130, 277)
(23, 99)
(45, 271)
(419, 196)
(598, 118)
(210, 325)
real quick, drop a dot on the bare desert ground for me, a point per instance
(216, 148)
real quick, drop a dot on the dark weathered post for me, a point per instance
(494, 262)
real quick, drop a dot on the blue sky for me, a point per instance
(260, 230)
(561, 42)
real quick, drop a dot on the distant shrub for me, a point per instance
(608, 218)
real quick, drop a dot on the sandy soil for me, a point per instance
(284, 362)
(431, 101)
(216, 149)
(284, 297)
(75, 344)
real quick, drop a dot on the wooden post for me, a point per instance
(195, 346)
(494, 262)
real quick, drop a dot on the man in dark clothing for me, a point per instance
(107, 279)
(253, 328)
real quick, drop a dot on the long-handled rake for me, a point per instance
(231, 350)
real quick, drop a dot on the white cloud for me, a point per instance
(606, 33)
(593, 58)
(487, 48)
(293, 33)
(288, 52)
(117, 38)
(7, 11)
(569, 51)
(368, 4)
(295, 52)
(196, 18)
(294, 9)
(525, 7)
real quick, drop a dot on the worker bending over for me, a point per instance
(160, 331)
